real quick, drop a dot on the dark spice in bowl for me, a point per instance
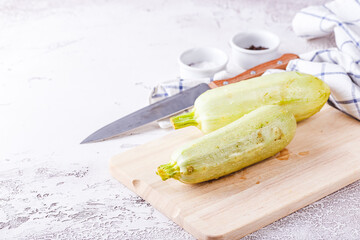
(252, 47)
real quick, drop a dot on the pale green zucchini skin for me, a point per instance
(254, 137)
(301, 94)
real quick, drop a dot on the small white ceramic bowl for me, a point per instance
(246, 58)
(202, 62)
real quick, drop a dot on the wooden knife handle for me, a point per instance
(279, 63)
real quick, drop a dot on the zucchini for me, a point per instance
(254, 137)
(301, 94)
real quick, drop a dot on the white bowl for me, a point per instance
(202, 62)
(246, 58)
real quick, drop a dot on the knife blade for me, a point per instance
(161, 109)
(178, 102)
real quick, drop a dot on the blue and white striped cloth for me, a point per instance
(338, 67)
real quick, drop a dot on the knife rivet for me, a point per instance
(279, 62)
(253, 72)
(225, 83)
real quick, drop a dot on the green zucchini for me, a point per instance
(254, 137)
(301, 94)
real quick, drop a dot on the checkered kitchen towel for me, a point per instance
(338, 67)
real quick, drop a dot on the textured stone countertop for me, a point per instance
(67, 67)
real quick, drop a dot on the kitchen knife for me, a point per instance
(178, 102)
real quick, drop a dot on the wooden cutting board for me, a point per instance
(323, 157)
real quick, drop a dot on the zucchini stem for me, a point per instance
(168, 170)
(184, 120)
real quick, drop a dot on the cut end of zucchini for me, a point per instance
(184, 120)
(169, 170)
